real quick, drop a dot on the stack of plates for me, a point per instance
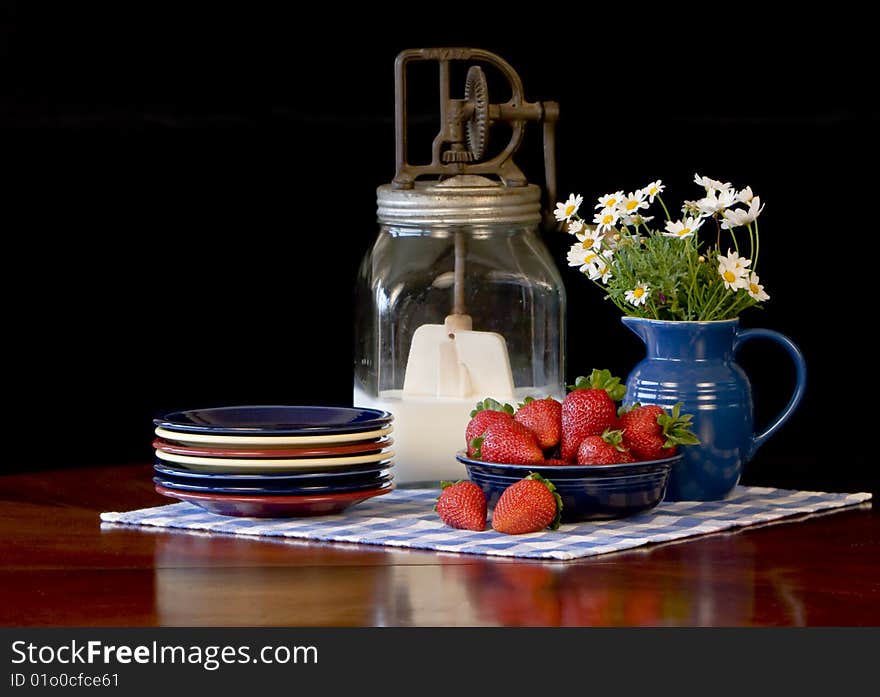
(274, 461)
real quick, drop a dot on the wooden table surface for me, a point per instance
(60, 567)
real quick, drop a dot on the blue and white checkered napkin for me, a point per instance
(406, 518)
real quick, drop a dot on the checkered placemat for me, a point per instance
(405, 518)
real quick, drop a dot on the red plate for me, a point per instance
(363, 448)
(274, 506)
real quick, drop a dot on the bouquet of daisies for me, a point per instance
(700, 266)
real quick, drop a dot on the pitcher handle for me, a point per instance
(800, 378)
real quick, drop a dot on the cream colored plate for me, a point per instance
(221, 464)
(269, 441)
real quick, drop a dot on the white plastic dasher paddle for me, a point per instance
(453, 360)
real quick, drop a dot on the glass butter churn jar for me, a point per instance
(459, 298)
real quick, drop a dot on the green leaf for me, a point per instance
(613, 437)
(476, 445)
(527, 400)
(677, 427)
(489, 404)
(601, 380)
(581, 383)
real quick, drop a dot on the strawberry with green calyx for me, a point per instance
(589, 409)
(607, 449)
(652, 433)
(487, 412)
(529, 505)
(509, 443)
(543, 417)
(462, 505)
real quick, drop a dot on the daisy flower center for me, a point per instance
(588, 242)
(638, 293)
(684, 231)
(653, 191)
(610, 203)
(607, 219)
(570, 209)
(631, 205)
(729, 276)
(754, 288)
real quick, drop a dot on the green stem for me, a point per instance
(757, 246)
(665, 210)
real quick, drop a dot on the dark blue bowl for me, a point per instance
(585, 493)
(569, 471)
(609, 483)
(275, 420)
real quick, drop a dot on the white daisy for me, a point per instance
(745, 196)
(756, 290)
(638, 295)
(589, 239)
(734, 270)
(735, 217)
(653, 189)
(610, 200)
(605, 219)
(716, 200)
(600, 268)
(709, 184)
(575, 226)
(578, 256)
(564, 211)
(633, 202)
(683, 228)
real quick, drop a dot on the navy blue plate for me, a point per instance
(354, 472)
(220, 487)
(275, 420)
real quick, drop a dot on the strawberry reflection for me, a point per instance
(699, 583)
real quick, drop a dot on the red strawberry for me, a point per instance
(529, 505)
(462, 505)
(652, 433)
(589, 410)
(488, 412)
(543, 417)
(603, 450)
(555, 462)
(510, 443)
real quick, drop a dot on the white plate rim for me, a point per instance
(339, 438)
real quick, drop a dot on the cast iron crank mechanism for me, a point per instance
(461, 145)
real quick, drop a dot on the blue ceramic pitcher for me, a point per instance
(693, 363)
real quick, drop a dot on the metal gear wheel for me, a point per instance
(477, 127)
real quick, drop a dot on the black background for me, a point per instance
(187, 196)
